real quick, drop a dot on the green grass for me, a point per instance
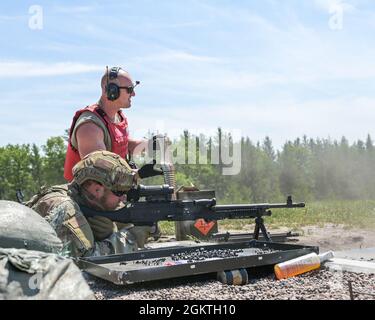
(351, 214)
(167, 227)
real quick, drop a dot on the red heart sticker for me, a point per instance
(203, 226)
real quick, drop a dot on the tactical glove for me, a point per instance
(132, 164)
(148, 170)
(102, 227)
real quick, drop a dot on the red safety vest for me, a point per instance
(118, 133)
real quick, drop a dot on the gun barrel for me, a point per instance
(283, 205)
(260, 206)
(144, 213)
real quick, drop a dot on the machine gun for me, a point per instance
(159, 206)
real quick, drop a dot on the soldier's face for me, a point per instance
(110, 201)
(125, 96)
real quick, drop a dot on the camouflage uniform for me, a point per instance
(59, 205)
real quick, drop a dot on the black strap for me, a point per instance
(113, 74)
(102, 114)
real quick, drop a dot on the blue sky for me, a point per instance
(256, 68)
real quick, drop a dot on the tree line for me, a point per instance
(309, 169)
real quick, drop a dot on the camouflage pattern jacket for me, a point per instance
(59, 205)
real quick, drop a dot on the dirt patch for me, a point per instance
(329, 237)
(337, 237)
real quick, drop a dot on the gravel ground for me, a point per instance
(317, 285)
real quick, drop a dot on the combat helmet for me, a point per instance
(105, 167)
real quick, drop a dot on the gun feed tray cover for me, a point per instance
(174, 262)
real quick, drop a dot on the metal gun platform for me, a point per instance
(240, 237)
(173, 262)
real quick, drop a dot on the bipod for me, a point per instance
(259, 226)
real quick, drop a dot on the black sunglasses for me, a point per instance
(130, 89)
(119, 193)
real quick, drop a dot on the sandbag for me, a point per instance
(35, 275)
(23, 228)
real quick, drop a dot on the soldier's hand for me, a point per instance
(102, 227)
(148, 170)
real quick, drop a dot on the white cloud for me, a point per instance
(328, 5)
(187, 24)
(280, 120)
(73, 9)
(13, 69)
(178, 56)
(227, 80)
(293, 52)
(11, 18)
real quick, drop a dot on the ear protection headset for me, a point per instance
(112, 89)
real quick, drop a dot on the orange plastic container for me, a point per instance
(301, 265)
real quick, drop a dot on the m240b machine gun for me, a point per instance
(159, 206)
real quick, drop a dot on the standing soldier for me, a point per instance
(103, 126)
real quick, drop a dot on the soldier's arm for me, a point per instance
(72, 228)
(90, 137)
(136, 147)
